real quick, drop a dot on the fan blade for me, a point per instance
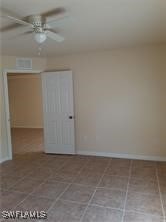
(10, 27)
(53, 12)
(57, 20)
(20, 34)
(10, 15)
(27, 33)
(54, 36)
(18, 21)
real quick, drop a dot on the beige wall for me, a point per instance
(25, 99)
(8, 62)
(120, 100)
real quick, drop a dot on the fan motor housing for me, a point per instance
(37, 20)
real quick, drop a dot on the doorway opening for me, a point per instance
(37, 102)
(26, 112)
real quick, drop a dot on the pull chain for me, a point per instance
(39, 50)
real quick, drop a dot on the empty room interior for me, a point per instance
(83, 110)
(26, 113)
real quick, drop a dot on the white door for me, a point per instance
(58, 112)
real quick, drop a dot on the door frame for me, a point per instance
(5, 89)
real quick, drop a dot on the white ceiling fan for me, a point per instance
(37, 24)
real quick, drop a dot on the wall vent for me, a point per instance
(24, 63)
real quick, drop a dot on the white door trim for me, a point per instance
(6, 100)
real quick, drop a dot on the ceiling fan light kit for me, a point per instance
(38, 24)
(40, 37)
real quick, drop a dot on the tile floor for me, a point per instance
(85, 189)
(81, 188)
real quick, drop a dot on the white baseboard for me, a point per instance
(113, 155)
(27, 127)
(124, 156)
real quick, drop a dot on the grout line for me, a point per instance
(97, 205)
(160, 194)
(125, 202)
(30, 194)
(54, 202)
(95, 191)
(27, 195)
(129, 211)
(145, 214)
(112, 208)
(114, 175)
(19, 180)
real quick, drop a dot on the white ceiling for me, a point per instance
(92, 25)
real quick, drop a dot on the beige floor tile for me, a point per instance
(70, 171)
(144, 173)
(50, 189)
(163, 195)
(20, 171)
(161, 164)
(98, 161)
(109, 198)
(8, 182)
(26, 185)
(95, 164)
(149, 204)
(164, 209)
(162, 180)
(10, 164)
(101, 214)
(136, 217)
(162, 171)
(65, 211)
(40, 173)
(95, 168)
(74, 160)
(118, 171)
(143, 186)
(143, 163)
(66, 177)
(35, 204)
(10, 199)
(114, 182)
(88, 178)
(78, 193)
(71, 168)
(55, 165)
(116, 162)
